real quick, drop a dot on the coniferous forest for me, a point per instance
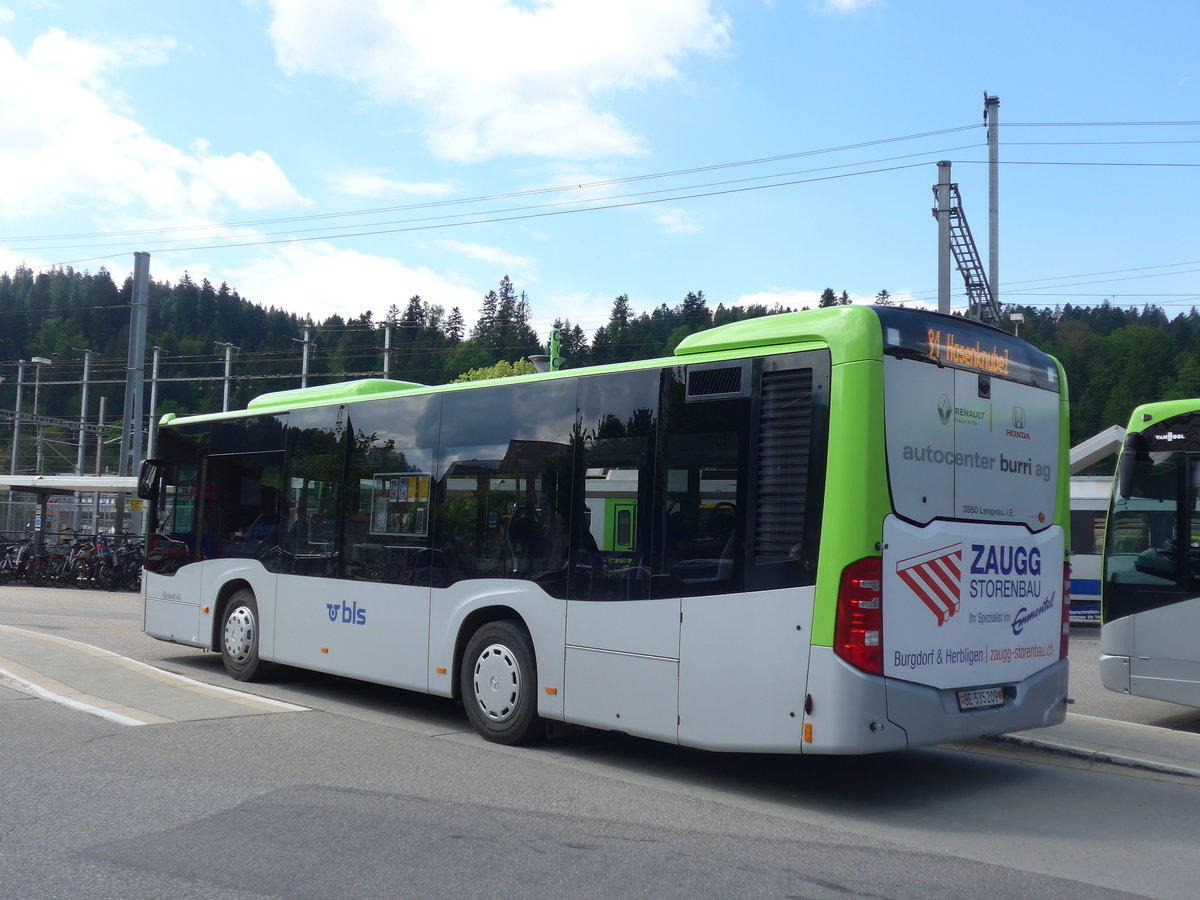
(1114, 357)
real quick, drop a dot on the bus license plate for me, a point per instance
(981, 698)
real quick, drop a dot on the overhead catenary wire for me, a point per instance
(593, 204)
(499, 215)
(506, 195)
(599, 203)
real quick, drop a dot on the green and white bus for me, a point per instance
(1150, 601)
(833, 531)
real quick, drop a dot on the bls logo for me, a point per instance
(350, 615)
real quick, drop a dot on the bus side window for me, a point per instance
(1191, 543)
(611, 543)
(388, 493)
(316, 462)
(1143, 540)
(241, 505)
(1087, 531)
(503, 491)
(702, 546)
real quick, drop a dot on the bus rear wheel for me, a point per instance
(239, 637)
(498, 681)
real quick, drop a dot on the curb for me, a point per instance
(1099, 756)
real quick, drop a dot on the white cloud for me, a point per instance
(510, 262)
(319, 279)
(379, 187)
(494, 77)
(849, 6)
(588, 311)
(676, 221)
(64, 146)
(253, 182)
(86, 64)
(11, 259)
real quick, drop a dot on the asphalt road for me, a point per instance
(372, 792)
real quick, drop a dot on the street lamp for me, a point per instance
(38, 362)
(16, 448)
(1016, 319)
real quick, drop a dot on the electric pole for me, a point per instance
(387, 349)
(229, 348)
(17, 421)
(304, 357)
(153, 431)
(87, 367)
(943, 221)
(991, 116)
(135, 370)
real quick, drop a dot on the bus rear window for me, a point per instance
(965, 445)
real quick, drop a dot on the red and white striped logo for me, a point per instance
(934, 578)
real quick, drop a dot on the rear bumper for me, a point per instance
(931, 715)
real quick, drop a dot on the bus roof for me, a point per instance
(1150, 414)
(850, 332)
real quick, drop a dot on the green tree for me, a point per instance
(502, 369)
(693, 312)
(486, 330)
(455, 329)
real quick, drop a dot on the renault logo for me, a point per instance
(945, 409)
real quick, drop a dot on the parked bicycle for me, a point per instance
(15, 560)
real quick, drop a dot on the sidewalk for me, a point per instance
(93, 680)
(1145, 747)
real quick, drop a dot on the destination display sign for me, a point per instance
(964, 344)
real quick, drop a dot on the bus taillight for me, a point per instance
(858, 634)
(1065, 640)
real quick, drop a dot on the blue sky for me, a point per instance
(340, 157)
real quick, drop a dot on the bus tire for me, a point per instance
(240, 637)
(499, 683)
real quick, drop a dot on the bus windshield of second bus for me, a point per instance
(1151, 591)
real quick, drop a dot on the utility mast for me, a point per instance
(955, 237)
(991, 118)
(954, 234)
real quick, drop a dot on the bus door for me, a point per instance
(172, 587)
(620, 521)
(1152, 574)
(747, 468)
(622, 629)
(239, 510)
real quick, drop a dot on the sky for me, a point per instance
(342, 157)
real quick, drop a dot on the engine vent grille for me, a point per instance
(710, 384)
(784, 439)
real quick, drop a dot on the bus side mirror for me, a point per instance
(1127, 464)
(148, 479)
(1125, 474)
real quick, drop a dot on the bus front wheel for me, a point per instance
(499, 682)
(239, 637)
